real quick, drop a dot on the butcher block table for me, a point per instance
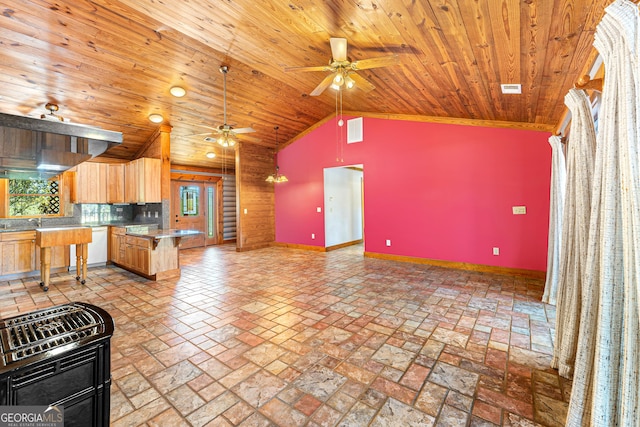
(46, 238)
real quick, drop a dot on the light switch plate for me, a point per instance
(519, 210)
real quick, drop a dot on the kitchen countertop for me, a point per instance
(92, 225)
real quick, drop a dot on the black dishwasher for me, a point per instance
(59, 356)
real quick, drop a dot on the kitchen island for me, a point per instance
(147, 251)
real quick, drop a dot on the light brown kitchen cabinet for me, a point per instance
(116, 182)
(19, 253)
(116, 245)
(17, 250)
(152, 258)
(142, 178)
(130, 252)
(137, 254)
(91, 182)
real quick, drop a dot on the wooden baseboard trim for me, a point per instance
(343, 245)
(298, 246)
(533, 274)
(253, 247)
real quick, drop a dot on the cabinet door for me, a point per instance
(59, 257)
(115, 183)
(142, 177)
(151, 187)
(131, 182)
(91, 179)
(18, 256)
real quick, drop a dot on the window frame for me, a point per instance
(6, 196)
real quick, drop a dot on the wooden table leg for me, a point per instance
(45, 267)
(78, 260)
(85, 253)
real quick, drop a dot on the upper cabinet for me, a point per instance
(142, 184)
(115, 182)
(91, 182)
(137, 181)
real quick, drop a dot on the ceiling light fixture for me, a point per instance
(156, 118)
(211, 155)
(276, 177)
(178, 91)
(226, 141)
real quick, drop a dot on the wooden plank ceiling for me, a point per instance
(110, 63)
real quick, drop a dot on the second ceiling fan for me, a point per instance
(343, 71)
(227, 133)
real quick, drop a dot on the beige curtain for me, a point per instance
(556, 204)
(575, 229)
(606, 383)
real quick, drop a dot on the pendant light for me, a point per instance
(276, 177)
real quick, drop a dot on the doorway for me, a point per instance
(196, 206)
(344, 206)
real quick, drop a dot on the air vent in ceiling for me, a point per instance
(511, 88)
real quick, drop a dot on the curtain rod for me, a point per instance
(585, 82)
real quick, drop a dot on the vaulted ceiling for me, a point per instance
(111, 63)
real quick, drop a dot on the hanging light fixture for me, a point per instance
(276, 177)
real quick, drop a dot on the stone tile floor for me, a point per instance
(284, 337)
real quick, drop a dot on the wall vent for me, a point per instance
(511, 88)
(354, 130)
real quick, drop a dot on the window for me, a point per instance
(189, 200)
(33, 197)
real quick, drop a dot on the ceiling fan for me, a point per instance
(343, 71)
(227, 133)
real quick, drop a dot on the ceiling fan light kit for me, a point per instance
(343, 71)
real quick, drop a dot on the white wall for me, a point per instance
(342, 205)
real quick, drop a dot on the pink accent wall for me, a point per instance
(436, 191)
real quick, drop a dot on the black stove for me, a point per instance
(59, 356)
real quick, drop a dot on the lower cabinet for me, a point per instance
(133, 253)
(19, 253)
(154, 259)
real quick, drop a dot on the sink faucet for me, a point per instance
(37, 220)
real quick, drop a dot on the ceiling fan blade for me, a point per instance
(190, 135)
(338, 49)
(243, 130)
(318, 68)
(245, 137)
(323, 85)
(362, 83)
(208, 127)
(383, 61)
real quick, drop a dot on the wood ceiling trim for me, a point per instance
(456, 121)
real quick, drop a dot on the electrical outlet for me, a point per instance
(245, 211)
(313, 236)
(496, 251)
(318, 209)
(388, 242)
(156, 214)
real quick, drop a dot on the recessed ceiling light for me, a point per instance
(514, 88)
(211, 154)
(156, 118)
(178, 91)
